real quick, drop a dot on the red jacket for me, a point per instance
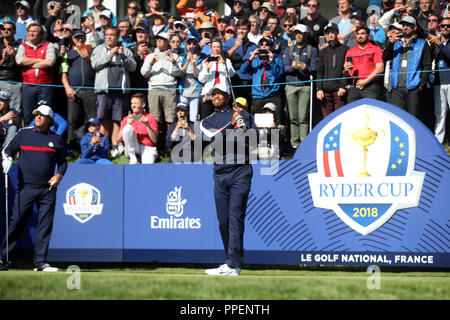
(44, 76)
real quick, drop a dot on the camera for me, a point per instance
(207, 36)
(213, 58)
(136, 117)
(183, 117)
(263, 54)
(64, 42)
(119, 43)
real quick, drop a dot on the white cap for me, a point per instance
(396, 25)
(301, 27)
(408, 19)
(179, 22)
(220, 86)
(44, 110)
(23, 3)
(163, 35)
(271, 106)
(106, 13)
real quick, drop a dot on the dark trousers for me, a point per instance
(31, 95)
(80, 110)
(231, 191)
(408, 100)
(331, 102)
(26, 197)
(372, 91)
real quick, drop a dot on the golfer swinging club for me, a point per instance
(232, 177)
(40, 151)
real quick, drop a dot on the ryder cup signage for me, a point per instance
(365, 168)
(83, 202)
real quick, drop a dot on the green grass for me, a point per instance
(192, 284)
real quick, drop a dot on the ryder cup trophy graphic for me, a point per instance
(364, 138)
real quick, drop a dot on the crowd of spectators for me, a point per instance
(136, 84)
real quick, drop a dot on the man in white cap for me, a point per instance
(162, 67)
(410, 56)
(24, 18)
(97, 9)
(41, 150)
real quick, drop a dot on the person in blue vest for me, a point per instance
(411, 58)
(41, 151)
(232, 175)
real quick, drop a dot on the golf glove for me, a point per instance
(7, 162)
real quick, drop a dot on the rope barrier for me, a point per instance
(235, 86)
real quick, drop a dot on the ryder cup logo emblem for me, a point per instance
(365, 162)
(83, 202)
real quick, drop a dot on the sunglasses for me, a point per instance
(21, 8)
(433, 20)
(264, 44)
(288, 25)
(66, 29)
(7, 29)
(445, 25)
(134, 8)
(264, 10)
(312, 5)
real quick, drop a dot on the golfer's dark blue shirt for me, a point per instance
(40, 152)
(219, 126)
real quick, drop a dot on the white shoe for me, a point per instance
(133, 159)
(46, 268)
(115, 153)
(121, 148)
(223, 270)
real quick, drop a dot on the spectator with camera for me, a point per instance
(272, 32)
(266, 68)
(238, 11)
(411, 58)
(112, 64)
(10, 75)
(105, 21)
(36, 57)
(134, 14)
(396, 14)
(376, 30)
(190, 92)
(208, 32)
(9, 120)
(240, 49)
(265, 11)
(331, 93)
(94, 145)
(139, 132)
(300, 63)
(141, 49)
(180, 136)
(78, 77)
(162, 67)
(213, 70)
(364, 63)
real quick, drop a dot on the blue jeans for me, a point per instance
(31, 95)
(89, 161)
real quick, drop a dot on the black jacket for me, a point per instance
(331, 62)
(9, 70)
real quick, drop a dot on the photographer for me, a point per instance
(139, 132)
(177, 134)
(213, 70)
(300, 62)
(113, 64)
(239, 49)
(162, 67)
(93, 37)
(207, 32)
(200, 13)
(9, 120)
(94, 145)
(266, 69)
